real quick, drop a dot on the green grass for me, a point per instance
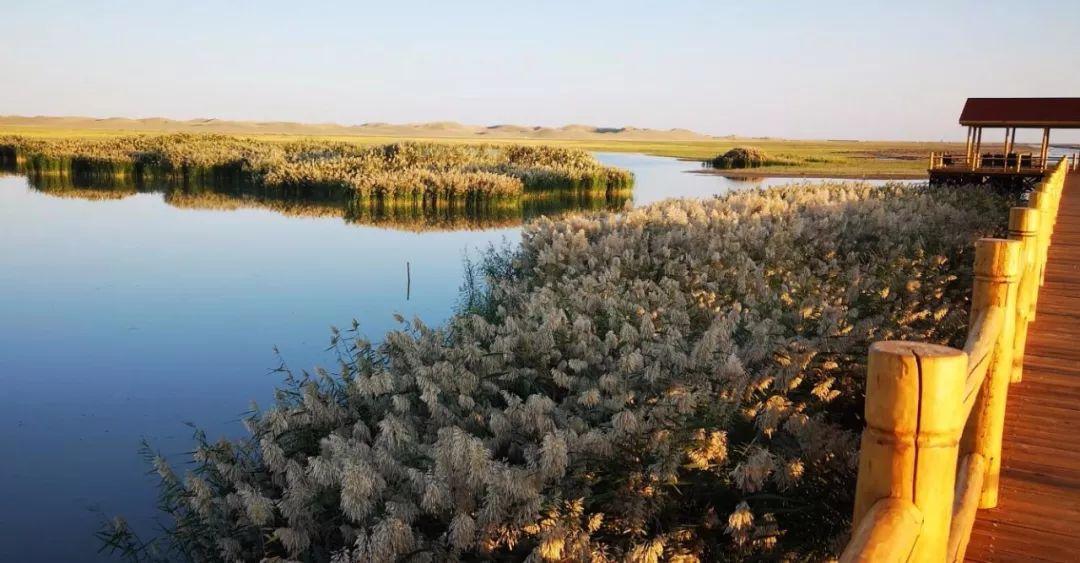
(812, 157)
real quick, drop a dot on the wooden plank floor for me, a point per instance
(1038, 516)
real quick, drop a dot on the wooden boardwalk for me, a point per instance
(1038, 517)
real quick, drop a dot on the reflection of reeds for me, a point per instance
(81, 187)
(226, 192)
(213, 201)
(557, 202)
(8, 158)
(746, 179)
(446, 215)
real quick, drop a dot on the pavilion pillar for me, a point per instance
(1005, 151)
(978, 148)
(969, 140)
(1010, 142)
(1045, 148)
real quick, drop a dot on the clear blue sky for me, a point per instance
(819, 69)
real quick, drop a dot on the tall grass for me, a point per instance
(676, 382)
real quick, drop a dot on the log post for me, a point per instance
(997, 268)
(1057, 183)
(887, 533)
(969, 478)
(909, 447)
(1040, 200)
(1050, 198)
(1024, 227)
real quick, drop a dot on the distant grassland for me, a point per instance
(840, 158)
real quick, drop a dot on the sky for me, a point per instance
(825, 70)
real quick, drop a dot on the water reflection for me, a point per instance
(225, 193)
(747, 180)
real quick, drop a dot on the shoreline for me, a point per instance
(842, 175)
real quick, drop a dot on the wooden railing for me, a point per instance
(931, 452)
(1013, 162)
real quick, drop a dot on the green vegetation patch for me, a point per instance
(680, 381)
(750, 157)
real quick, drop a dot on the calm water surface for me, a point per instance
(122, 319)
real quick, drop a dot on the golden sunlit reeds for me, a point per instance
(680, 381)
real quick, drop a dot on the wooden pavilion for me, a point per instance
(1006, 164)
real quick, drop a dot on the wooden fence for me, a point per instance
(1012, 162)
(931, 452)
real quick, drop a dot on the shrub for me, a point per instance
(681, 381)
(748, 157)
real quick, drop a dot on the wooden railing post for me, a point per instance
(1047, 199)
(909, 447)
(997, 269)
(1040, 201)
(887, 534)
(969, 478)
(1024, 227)
(1051, 194)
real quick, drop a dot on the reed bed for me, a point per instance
(405, 170)
(676, 382)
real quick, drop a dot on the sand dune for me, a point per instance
(448, 129)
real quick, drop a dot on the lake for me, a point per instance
(127, 313)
